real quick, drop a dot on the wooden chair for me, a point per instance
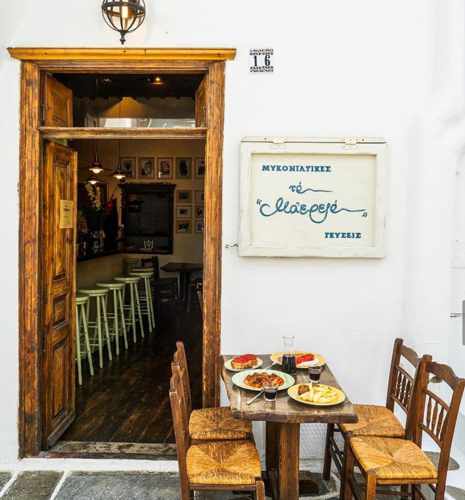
(393, 461)
(376, 420)
(220, 465)
(208, 424)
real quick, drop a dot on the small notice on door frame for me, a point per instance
(66, 214)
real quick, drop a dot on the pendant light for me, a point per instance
(93, 180)
(124, 16)
(96, 166)
(118, 173)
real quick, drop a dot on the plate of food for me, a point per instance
(253, 380)
(316, 394)
(243, 362)
(303, 359)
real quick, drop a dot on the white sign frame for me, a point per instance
(336, 146)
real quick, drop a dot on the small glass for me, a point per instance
(270, 391)
(314, 373)
(288, 361)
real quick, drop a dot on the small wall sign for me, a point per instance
(261, 60)
(66, 214)
(312, 198)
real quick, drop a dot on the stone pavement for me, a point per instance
(48, 485)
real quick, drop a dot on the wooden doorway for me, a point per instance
(35, 64)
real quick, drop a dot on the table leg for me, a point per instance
(272, 459)
(288, 476)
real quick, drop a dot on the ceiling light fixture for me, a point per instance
(93, 180)
(124, 16)
(96, 166)
(118, 173)
(157, 80)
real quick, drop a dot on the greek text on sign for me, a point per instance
(66, 214)
(312, 199)
(261, 60)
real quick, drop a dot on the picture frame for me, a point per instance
(199, 197)
(199, 168)
(184, 197)
(313, 198)
(184, 212)
(146, 168)
(128, 166)
(199, 211)
(184, 168)
(164, 168)
(183, 226)
(199, 225)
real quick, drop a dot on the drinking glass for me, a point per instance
(270, 391)
(314, 373)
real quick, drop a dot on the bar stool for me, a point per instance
(115, 292)
(146, 295)
(99, 295)
(132, 282)
(82, 302)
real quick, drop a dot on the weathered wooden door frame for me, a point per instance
(34, 61)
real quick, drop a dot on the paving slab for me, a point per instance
(32, 485)
(4, 478)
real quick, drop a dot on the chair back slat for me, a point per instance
(180, 425)
(401, 382)
(180, 359)
(438, 418)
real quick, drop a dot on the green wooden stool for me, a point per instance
(82, 330)
(116, 316)
(131, 283)
(146, 300)
(99, 295)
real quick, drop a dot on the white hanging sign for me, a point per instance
(312, 197)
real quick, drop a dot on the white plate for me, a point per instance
(228, 366)
(318, 361)
(238, 379)
(339, 396)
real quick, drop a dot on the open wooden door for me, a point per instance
(58, 267)
(57, 104)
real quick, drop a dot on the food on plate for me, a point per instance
(258, 379)
(321, 394)
(302, 389)
(304, 358)
(244, 361)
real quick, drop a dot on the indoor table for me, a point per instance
(185, 269)
(283, 418)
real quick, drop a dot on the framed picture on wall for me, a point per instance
(183, 226)
(199, 226)
(199, 168)
(184, 197)
(128, 167)
(165, 168)
(146, 168)
(183, 168)
(199, 197)
(199, 212)
(183, 212)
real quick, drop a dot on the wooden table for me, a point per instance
(283, 418)
(185, 269)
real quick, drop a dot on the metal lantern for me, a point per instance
(124, 16)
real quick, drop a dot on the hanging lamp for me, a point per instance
(96, 167)
(124, 16)
(93, 180)
(118, 173)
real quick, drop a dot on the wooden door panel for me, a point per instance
(201, 105)
(58, 104)
(58, 292)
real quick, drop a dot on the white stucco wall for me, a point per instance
(341, 68)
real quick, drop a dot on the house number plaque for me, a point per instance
(261, 60)
(66, 214)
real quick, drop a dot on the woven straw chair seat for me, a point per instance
(223, 463)
(216, 424)
(374, 420)
(393, 459)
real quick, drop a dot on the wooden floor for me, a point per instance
(127, 401)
